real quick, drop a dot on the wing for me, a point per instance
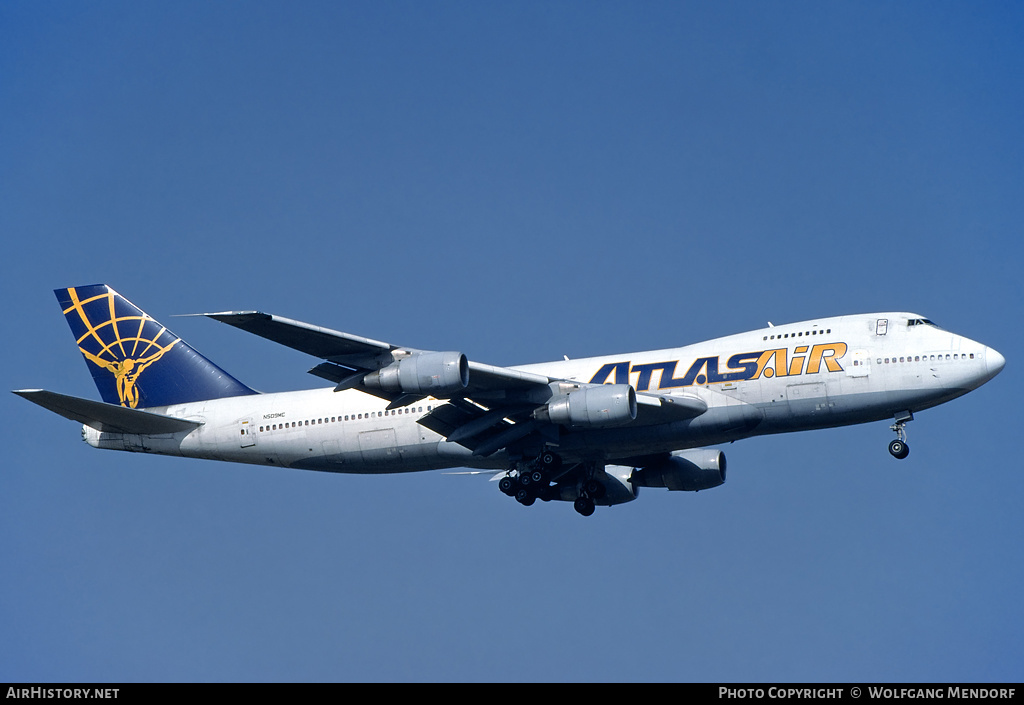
(490, 407)
(349, 358)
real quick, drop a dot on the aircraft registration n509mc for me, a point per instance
(590, 431)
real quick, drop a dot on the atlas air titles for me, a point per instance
(777, 362)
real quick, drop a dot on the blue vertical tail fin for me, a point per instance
(135, 361)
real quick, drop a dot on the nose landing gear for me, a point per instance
(899, 448)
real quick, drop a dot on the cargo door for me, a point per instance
(379, 447)
(808, 400)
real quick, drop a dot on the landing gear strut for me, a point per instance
(590, 490)
(899, 448)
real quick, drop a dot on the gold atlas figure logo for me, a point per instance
(128, 360)
(127, 371)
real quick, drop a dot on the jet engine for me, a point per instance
(592, 407)
(423, 373)
(693, 470)
(617, 486)
(608, 486)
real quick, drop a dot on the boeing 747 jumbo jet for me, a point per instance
(590, 431)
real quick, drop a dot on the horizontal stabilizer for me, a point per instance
(110, 418)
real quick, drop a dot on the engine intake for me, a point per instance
(691, 470)
(423, 373)
(592, 407)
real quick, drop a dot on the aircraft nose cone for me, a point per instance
(994, 362)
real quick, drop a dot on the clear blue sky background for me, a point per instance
(518, 181)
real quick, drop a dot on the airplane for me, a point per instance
(588, 431)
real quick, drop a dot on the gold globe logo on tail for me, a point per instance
(125, 345)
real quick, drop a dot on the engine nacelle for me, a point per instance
(615, 487)
(423, 373)
(692, 470)
(592, 407)
(618, 486)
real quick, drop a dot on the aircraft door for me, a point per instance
(246, 433)
(860, 364)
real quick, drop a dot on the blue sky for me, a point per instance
(517, 181)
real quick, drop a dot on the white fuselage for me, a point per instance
(814, 374)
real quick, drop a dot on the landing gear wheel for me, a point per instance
(594, 488)
(507, 485)
(899, 449)
(527, 500)
(584, 505)
(549, 461)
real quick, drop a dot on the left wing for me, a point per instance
(489, 407)
(350, 358)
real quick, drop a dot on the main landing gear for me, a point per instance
(536, 479)
(531, 480)
(590, 490)
(899, 448)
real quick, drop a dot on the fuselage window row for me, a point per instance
(800, 334)
(919, 358)
(347, 417)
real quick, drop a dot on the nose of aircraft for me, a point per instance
(994, 362)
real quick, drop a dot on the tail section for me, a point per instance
(135, 361)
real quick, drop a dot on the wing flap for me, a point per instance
(473, 426)
(106, 417)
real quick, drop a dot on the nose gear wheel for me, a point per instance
(899, 448)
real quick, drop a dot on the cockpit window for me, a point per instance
(920, 322)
